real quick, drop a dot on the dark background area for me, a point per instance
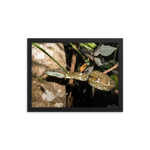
(81, 93)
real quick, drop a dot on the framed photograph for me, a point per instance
(75, 75)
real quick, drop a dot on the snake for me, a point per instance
(95, 78)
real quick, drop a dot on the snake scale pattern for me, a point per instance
(96, 79)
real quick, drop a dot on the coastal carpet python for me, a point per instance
(96, 79)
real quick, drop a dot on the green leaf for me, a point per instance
(92, 45)
(108, 66)
(86, 47)
(50, 56)
(112, 62)
(115, 78)
(106, 50)
(41, 79)
(76, 50)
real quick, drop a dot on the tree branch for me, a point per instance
(115, 53)
(116, 92)
(73, 63)
(112, 68)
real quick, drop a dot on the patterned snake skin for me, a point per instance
(96, 79)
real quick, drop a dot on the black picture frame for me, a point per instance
(74, 40)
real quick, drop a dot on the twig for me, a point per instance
(73, 63)
(99, 45)
(76, 103)
(82, 102)
(112, 68)
(115, 53)
(68, 67)
(116, 92)
(69, 100)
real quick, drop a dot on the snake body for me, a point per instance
(96, 79)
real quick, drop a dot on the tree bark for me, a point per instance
(50, 91)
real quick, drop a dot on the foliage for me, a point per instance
(115, 78)
(76, 50)
(105, 50)
(86, 46)
(98, 56)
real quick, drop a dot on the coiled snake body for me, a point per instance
(96, 79)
